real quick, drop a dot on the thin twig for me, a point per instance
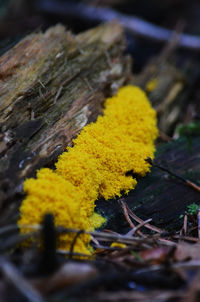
(11, 273)
(186, 238)
(193, 185)
(95, 241)
(135, 229)
(102, 236)
(164, 136)
(185, 180)
(58, 94)
(198, 221)
(110, 232)
(13, 241)
(134, 25)
(185, 225)
(166, 242)
(147, 225)
(9, 229)
(105, 236)
(125, 211)
(74, 242)
(41, 84)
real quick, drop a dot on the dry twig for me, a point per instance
(126, 215)
(147, 225)
(24, 287)
(134, 25)
(186, 181)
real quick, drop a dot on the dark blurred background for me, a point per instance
(20, 17)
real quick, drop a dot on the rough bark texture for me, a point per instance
(176, 81)
(51, 85)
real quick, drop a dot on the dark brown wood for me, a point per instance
(158, 195)
(51, 85)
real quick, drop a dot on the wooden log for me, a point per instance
(51, 85)
(175, 83)
(158, 195)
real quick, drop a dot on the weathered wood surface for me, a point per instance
(51, 85)
(158, 195)
(177, 79)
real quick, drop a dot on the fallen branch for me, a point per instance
(133, 24)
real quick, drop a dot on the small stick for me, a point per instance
(28, 292)
(198, 220)
(102, 236)
(188, 182)
(41, 83)
(164, 136)
(166, 242)
(14, 240)
(110, 232)
(135, 229)
(124, 207)
(193, 185)
(133, 24)
(147, 225)
(126, 214)
(9, 229)
(185, 225)
(186, 238)
(95, 241)
(74, 242)
(32, 115)
(58, 94)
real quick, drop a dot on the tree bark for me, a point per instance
(51, 85)
(177, 79)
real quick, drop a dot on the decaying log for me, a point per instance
(175, 85)
(51, 85)
(158, 195)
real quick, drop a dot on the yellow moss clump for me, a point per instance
(96, 165)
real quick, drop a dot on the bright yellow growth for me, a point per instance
(96, 165)
(119, 245)
(152, 85)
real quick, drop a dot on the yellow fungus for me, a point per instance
(96, 220)
(118, 244)
(152, 85)
(96, 166)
